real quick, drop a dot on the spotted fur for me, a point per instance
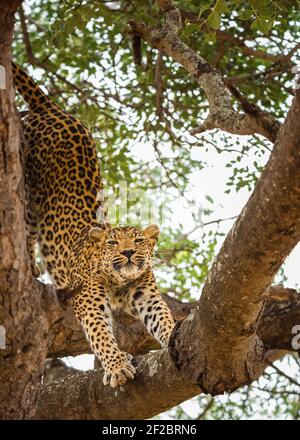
(110, 267)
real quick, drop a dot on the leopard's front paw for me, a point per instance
(119, 370)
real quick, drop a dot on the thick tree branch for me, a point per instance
(157, 386)
(57, 369)
(83, 396)
(221, 113)
(66, 338)
(280, 315)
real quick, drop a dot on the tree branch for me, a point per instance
(221, 113)
(57, 369)
(83, 396)
(281, 313)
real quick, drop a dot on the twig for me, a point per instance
(159, 84)
(282, 373)
(206, 409)
(236, 41)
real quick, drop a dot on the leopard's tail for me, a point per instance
(31, 92)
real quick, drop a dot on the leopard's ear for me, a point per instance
(152, 233)
(98, 234)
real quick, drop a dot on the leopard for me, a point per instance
(109, 267)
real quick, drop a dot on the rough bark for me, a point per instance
(21, 362)
(57, 369)
(221, 112)
(157, 387)
(280, 315)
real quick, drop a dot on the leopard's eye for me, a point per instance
(139, 240)
(112, 242)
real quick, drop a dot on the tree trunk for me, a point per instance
(25, 330)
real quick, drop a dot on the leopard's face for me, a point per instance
(123, 254)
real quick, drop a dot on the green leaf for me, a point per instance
(262, 8)
(221, 7)
(245, 14)
(204, 8)
(214, 20)
(190, 29)
(87, 12)
(262, 24)
(78, 20)
(209, 199)
(210, 37)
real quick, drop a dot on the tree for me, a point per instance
(186, 59)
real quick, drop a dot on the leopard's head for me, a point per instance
(122, 254)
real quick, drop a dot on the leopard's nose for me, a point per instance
(128, 252)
